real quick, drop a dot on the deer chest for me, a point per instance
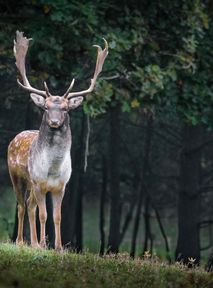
(52, 166)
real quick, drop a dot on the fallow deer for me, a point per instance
(39, 161)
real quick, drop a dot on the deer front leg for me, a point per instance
(41, 201)
(31, 205)
(57, 200)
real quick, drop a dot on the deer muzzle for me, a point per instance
(54, 123)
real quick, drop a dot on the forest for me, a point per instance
(142, 156)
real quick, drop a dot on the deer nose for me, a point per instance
(55, 123)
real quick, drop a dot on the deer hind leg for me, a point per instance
(57, 200)
(19, 188)
(31, 205)
(21, 212)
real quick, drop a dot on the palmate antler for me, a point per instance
(102, 54)
(20, 48)
(21, 45)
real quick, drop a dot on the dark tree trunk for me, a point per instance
(127, 219)
(102, 206)
(148, 235)
(144, 171)
(163, 234)
(70, 218)
(50, 224)
(114, 162)
(209, 266)
(79, 218)
(188, 244)
(136, 223)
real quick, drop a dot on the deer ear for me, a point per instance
(38, 100)
(75, 102)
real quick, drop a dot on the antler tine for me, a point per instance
(101, 56)
(46, 89)
(20, 49)
(69, 89)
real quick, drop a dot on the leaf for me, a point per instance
(125, 107)
(135, 103)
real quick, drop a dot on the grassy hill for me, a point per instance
(27, 267)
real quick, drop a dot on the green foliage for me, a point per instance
(99, 101)
(26, 267)
(160, 51)
(151, 79)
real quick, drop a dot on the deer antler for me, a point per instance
(69, 89)
(21, 45)
(102, 54)
(47, 90)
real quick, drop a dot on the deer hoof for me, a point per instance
(43, 245)
(59, 249)
(19, 242)
(35, 245)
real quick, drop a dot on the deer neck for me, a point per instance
(50, 138)
(49, 160)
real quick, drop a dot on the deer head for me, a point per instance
(56, 107)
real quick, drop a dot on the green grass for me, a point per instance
(27, 267)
